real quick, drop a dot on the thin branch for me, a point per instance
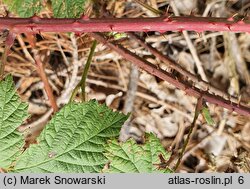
(40, 70)
(24, 49)
(172, 64)
(196, 115)
(42, 74)
(62, 52)
(186, 36)
(154, 70)
(161, 24)
(82, 82)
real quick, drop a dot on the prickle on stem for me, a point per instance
(229, 26)
(168, 19)
(84, 17)
(35, 18)
(111, 27)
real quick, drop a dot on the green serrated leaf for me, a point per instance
(130, 157)
(68, 8)
(12, 113)
(73, 141)
(24, 8)
(207, 116)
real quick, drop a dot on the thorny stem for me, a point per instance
(166, 23)
(156, 71)
(161, 24)
(172, 64)
(82, 82)
(189, 43)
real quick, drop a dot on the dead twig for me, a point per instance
(130, 98)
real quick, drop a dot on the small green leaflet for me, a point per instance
(207, 116)
(12, 114)
(117, 35)
(24, 8)
(130, 157)
(73, 141)
(68, 8)
(61, 8)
